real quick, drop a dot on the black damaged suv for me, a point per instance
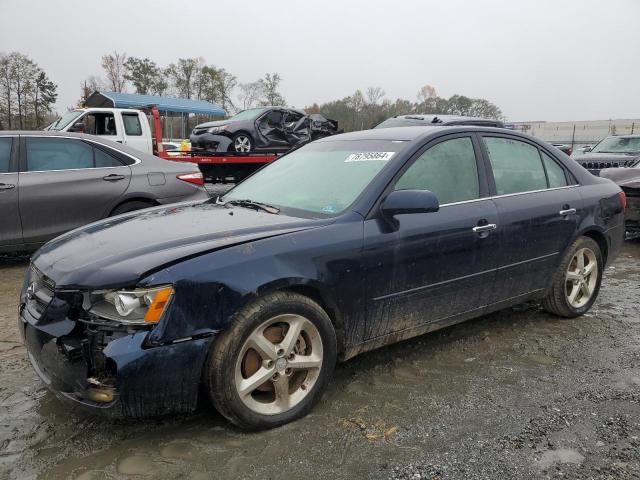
(262, 129)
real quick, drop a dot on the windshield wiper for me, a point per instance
(252, 204)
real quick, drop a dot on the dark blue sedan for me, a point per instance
(347, 244)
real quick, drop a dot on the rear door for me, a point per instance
(433, 266)
(539, 210)
(10, 228)
(66, 183)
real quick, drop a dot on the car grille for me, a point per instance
(40, 292)
(601, 165)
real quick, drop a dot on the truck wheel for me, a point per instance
(273, 363)
(242, 143)
(577, 282)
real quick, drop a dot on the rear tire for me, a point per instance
(130, 207)
(577, 281)
(273, 363)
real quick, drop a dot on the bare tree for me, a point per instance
(113, 65)
(270, 86)
(374, 95)
(250, 94)
(185, 75)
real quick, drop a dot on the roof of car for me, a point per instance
(431, 119)
(406, 133)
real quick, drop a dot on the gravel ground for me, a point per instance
(516, 394)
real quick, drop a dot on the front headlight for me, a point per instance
(217, 129)
(142, 306)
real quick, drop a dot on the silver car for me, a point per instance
(54, 182)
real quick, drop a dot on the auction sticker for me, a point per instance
(370, 157)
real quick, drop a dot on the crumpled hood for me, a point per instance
(118, 251)
(624, 177)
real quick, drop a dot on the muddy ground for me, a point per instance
(516, 394)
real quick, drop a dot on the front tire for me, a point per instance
(242, 143)
(273, 363)
(577, 282)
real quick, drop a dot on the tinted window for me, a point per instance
(448, 169)
(57, 154)
(516, 166)
(103, 159)
(555, 173)
(132, 124)
(5, 154)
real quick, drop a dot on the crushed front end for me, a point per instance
(103, 364)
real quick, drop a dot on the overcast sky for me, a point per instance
(535, 59)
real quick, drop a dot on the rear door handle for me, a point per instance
(6, 186)
(484, 228)
(568, 211)
(113, 178)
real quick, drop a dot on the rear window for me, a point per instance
(132, 124)
(45, 154)
(5, 154)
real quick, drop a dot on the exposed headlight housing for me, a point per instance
(142, 306)
(217, 129)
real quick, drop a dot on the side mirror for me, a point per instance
(77, 127)
(402, 202)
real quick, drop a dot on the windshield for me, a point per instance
(65, 120)
(250, 114)
(618, 145)
(321, 178)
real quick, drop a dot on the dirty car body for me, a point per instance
(262, 129)
(53, 182)
(379, 279)
(629, 180)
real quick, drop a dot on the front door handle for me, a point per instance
(6, 186)
(568, 211)
(113, 177)
(484, 228)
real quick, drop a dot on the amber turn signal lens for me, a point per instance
(158, 305)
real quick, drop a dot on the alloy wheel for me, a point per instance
(581, 277)
(242, 144)
(279, 364)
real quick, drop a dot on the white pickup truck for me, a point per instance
(127, 126)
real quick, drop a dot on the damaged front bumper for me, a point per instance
(211, 142)
(109, 369)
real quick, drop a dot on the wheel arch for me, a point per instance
(151, 201)
(316, 292)
(600, 238)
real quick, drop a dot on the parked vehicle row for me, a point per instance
(51, 183)
(341, 246)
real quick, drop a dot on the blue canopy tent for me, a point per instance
(166, 105)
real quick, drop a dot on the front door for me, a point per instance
(538, 212)
(10, 228)
(66, 183)
(271, 129)
(433, 266)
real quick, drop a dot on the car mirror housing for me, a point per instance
(402, 202)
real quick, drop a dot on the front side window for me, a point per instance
(44, 154)
(448, 169)
(516, 166)
(5, 154)
(132, 124)
(322, 178)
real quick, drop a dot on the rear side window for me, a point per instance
(5, 154)
(516, 166)
(132, 124)
(103, 159)
(555, 173)
(45, 154)
(448, 169)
